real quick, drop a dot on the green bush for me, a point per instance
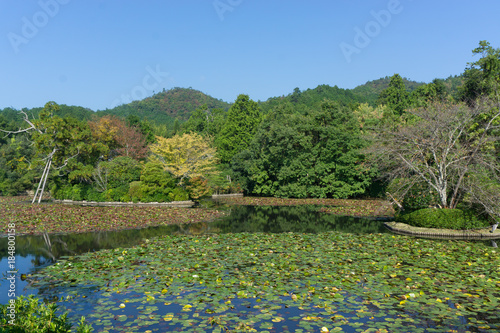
(135, 191)
(178, 194)
(122, 171)
(119, 193)
(94, 195)
(419, 198)
(75, 192)
(33, 316)
(457, 219)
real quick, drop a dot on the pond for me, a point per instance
(275, 269)
(36, 252)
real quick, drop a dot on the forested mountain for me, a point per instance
(309, 98)
(166, 106)
(371, 90)
(179, 103)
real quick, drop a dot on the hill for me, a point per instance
(311, 98)
(179, 103)
(371, 89)
(166, 106)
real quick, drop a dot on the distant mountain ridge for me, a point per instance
(372, 89)
(166, 106)
(179, 103)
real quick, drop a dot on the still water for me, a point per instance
(36, 252)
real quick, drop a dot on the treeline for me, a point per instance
(307, 144)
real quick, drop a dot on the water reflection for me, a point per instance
(302, 219)
(35, 252)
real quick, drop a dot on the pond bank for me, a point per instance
(178, 204)
(405, 229)
(54, 218)
(349, 207)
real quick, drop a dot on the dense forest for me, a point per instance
(181, 143)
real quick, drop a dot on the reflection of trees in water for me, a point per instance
(270, 219)
(305, 219)
(55, 246)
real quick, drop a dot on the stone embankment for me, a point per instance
(179, 204)
(405, 229)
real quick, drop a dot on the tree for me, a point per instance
(144, 127)
(305, 155)
(15, 157)
(130, 141)
(56, 140)
(187, 156)
(482, 77)
(428, 93)
(122, 138)
(395, 95)
(241, 124)
(448, 147)
(205, 121)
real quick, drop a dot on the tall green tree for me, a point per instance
(15, 156)
(243, 118)
(205, 121)
(395, 95)
(306, 155)
(56, 141)
(428, 93)
(482, 77)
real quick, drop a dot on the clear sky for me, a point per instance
(101, 53)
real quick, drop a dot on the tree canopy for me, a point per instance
(242, 120)
(312, 155)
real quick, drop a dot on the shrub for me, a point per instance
(457, 219)
(94, 195)
(119, 193)
(178, 194)
(419, 198)
(75, 192)
(33, 316)
(197, 188)
(122, 171)
(135, 192)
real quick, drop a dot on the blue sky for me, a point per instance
(101, 53)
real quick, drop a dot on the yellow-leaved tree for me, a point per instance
(185, 156)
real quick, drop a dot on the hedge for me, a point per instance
(443, 219)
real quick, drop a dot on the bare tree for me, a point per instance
(101, 176)
(448, 147)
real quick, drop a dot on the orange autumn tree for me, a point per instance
(186, 157)
(121, 139)
(131, 142)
